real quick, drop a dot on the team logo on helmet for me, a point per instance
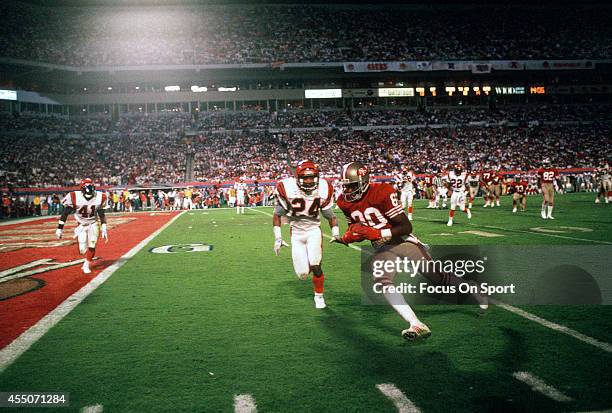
(355, 180)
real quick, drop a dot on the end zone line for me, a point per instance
(244, 403)
(21, 344)
(538, 385)
(399, 399)
(543, 322)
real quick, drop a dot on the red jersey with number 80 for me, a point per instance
(85, 209)
(375, 209)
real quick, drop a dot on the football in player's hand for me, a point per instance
(351, 236)
(365, 231)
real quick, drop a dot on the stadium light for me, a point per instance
(227, 89)
(172, 88)
(198, 89)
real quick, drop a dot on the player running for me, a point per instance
(547, 175)
(301, 199)
(457, 179)
(374, 213)
(87, 205)
(473, 181)
(405, 185)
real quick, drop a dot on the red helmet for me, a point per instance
(305, 170)
(87, 188)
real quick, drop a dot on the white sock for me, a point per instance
(400, 305)
(550, 208)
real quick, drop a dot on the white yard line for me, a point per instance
(538, 385)
(244, 403)
(399, 399)
(17, 347)
(554, 326)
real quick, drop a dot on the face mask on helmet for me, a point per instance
(88, 191)
(308, 181)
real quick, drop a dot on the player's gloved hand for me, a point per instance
(365, 231)
(104, 232)
(278, 244)
(58, 233)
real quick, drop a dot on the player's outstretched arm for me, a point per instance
(62, 221)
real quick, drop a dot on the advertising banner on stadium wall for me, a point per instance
(558, 64)
(468, 65)
(364, 67)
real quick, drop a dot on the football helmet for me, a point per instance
(307, 175)
(355, 179)
(87, 188)
(458, 168)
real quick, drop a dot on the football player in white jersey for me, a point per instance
(405, 184)
(87, 205)
(301, 199)
(440, 189)
(241, 193)
(457, 180)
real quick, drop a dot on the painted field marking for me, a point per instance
(399, 399)
(244, 403)
(17, 347)
(481, 233)
(98, 408)
(549, 324)
(538, 385)
(554, 326)
(525, 231)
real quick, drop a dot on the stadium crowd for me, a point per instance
(82, 36)
(135, 150)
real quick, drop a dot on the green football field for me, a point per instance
(187, 332)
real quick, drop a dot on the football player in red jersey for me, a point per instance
(429, 193)
(547, 175)
(487, 180)
(88, 205)
(374, 213)
(519, 189)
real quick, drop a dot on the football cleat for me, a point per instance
(319, 301)
(550, 217)
(449, 223)
(469, 214)
(409, 217)
(416, 332)
(85, 267)
(543, 214)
